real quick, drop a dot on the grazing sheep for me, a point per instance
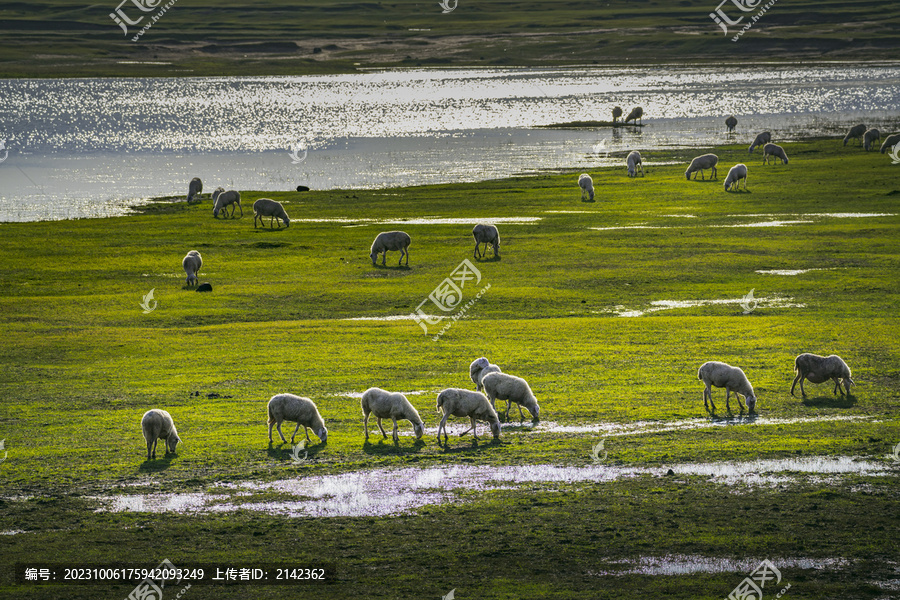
(731, 123)
(774, 150)
(735, 174)
(269, 208)
(634, 163)
(303, 411)
(478, 369)
(390, 405)
(195, 187)
(635, 115)
(466, 403)
(215, 194)
(819, 369)
(869, 138)
(487, 235)
(889, 142)
(764, 138)
(223, 199)
(390, 240)
(191, 264)
(617, 112)
(719, 374)
(587, 186)
(500, 386)
(701, 163)
(857, 131)
(157, 424)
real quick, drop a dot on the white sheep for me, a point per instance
(701, 163)
(216, 192)
(634, 163)
(735, 174)
(869, 138)
(487, 235)
(224, 199)
(390, 240)
(389, 405)
(819, 369)
(719, 374)
(731, 123)
(587, 186)
(776, 151)
(764, 138)
(616, 112)
(478, 369)
(855, 132)
(889, 142)
(635, 115)
(303, 411)
(466, 403)
(500, 386)
(265, 207)
(191, 264)
(157, 424)
(195, 187)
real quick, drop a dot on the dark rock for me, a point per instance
(204, 287)
(670, 472)
(302, 188)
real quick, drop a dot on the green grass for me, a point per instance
(81, 363)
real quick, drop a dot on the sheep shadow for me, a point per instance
(267, 229)
(472, 447)
(830, 401)
(277, 451)
(739, 191)
(485, 259)
(392, 268)
(156, 465)
(388, 447)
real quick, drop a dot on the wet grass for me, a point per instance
(82, 363)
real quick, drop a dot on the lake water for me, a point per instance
(94, 147)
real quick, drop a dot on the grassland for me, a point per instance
(82, 362)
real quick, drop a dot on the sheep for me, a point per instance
(635, 115)
(634, 162)
(774, 150)
(157, 424)
(303, 411)
(719, 374)
(466, 403)
(512, 389)
(731, 123)
(587, 186)
(764, 138)
(191, 263)
(269, 208)
(617, 112)
(478, 369)
(701, 163)
(889, 142)
(869, 138)
(486, 234)
(819, 369)
(735, 174)
(857, 131)
(216, 192)
(390, 240)
(390, 405)
(223, 199)
(195, 187)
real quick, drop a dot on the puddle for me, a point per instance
(358, 395)
(679, 216)
(645, 427)
(658, 305)
(12, 532)
(765, 224)
(680, 564)
(628, 227)
(409, 317)
(851, 215)
(788, 272)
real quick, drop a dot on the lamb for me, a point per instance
(390, 405)
(223, 199)
(764, 138)
(634, 162)
(486, 234)
(587, 186)
(889, 142)
(191, 263)
(819, 369)
(466, 403)
(857, 131)
(157, 424)
(869, 138)
(719, 374)
(390, 240)
(701, 163)
(635, 115)
(774, 150)
(478, 369)
(303, 411)
(512, 389)
(195, 187)
(617, 112)
(731, 123)
(269, 208)
(735, 174)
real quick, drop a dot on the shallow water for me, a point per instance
(680, 564)
(660, 305)
(788, 272)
